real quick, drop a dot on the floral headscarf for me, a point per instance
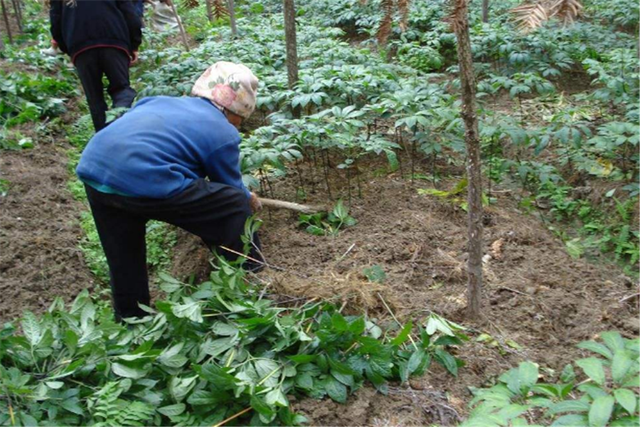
(228, 85)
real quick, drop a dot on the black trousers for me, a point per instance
(214, 212)
(91, 65)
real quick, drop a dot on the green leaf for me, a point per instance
(168, 284)
(512, 411)
(172, 410)
(569, 406)
(128, 372)
(613, 340)
(626, 422)
(31, 328)
(620, 366)
(375, 274)
(528, 375)
(190, 310)
(403, 335)
(73, 406)
(261, 407)
(302, 358)
(218, 346)
(345, 379)
(568, 375)
(626, 398)
(593, 368)
(335, 389)
(592, 390)
(276, 397)
(572, 420)
(224, 329)
(217, 375)
(54, 385)
(267, 372)
(596, 348)
(600, 411)
(304, 381)
(448, 361)
(418, 362)
(203, 397)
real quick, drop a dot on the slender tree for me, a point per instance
(5, 16)
(232, 17)
(209, 10)
(17, 12)
(460, 23)
(1, 42)
(485, 10)
(183, 34)
(291, 45)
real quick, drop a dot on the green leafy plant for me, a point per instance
(203, 354)
(608, 396)
(327, 223)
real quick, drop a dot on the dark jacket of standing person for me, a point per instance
(102, 38)
(79, 25)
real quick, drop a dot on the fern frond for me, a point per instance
(219, 9)
(135, 414)
(566, 10)
(190, 4)
(105, 404)
(530, 16)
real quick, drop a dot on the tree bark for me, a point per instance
(232, 17)
(209, 10)
(6, 21)
(1, 42)
(460, 24)
(18, 14)
(485, 10)
(292, 46)
(183, 34)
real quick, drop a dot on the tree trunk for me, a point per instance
(183, 34)
(485, 10)
(292, 46)
(460, 24)
(232, 17)
(6, 21)
(209, 10)
(18, 14)
(1, 42)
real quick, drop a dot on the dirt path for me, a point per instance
(39, 232)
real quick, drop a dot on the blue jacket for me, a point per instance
(161, 146)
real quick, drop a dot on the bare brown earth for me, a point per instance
(539, 302)
(39, 232)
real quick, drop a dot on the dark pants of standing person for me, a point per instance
(215, 212)
(91, 66)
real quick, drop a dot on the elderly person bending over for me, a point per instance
(152, 163)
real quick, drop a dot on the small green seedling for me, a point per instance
(327, 223)
(375, 274)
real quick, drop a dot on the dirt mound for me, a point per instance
(39, 232)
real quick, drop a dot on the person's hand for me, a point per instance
(254, 202)
(134, 57)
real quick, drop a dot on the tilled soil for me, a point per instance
(538, 301)
(39, 232)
